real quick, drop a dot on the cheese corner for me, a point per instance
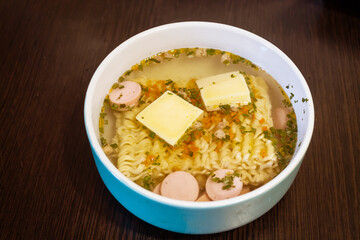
(222, 89)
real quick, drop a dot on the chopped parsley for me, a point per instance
(228, 180)
(168, 82)
(147, 182)
(103, 141)
(226, 108)
(291, 96)
(152, 135)
(210, 51)
(304, 100)
(114, 145)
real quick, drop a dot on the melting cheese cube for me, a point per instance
(222, 89)
(169, 117)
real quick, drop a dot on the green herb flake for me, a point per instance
(156, 161)
(114, 86)
(304, 100)
(103, 141)
(291, 96)
(189, 53)
(154, 60)
(114, 145)
(226, 108)
(145, 89)
(228, 180)
(152, 135)
(168, 82)
(210, 51)
(227, 138)
(286, 103)
(127, 73)
(147, 182)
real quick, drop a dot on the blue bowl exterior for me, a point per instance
(193, 220)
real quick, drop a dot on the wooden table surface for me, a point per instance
(49, 184)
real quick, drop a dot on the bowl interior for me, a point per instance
(207, 35)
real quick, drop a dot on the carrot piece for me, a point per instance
(263, 152)
(232, 135)
(149, 159)
(218, 146)
(193, 148)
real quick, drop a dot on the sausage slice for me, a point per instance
(215, 189)
(157, 189)
(125, 96)
(280, 117)
(180, 185)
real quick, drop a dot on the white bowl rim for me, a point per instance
(296, 160)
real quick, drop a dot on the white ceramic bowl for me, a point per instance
(197, 217)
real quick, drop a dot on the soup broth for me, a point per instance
(240, 138)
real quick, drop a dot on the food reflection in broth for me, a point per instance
(224, 153)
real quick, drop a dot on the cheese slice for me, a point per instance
(224, 89)
(169, 117)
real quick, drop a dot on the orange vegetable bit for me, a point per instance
(265, 128)
(232, 135)
(185, 149)
(149, 159)
(216, 118)
(206, 121)
(161, 85)
(219, 144)
(233, 114)
(245, 109)
(263, 153)
(193, 148)
(198, 134)
(261, 121)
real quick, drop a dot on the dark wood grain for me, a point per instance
(49, 185)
